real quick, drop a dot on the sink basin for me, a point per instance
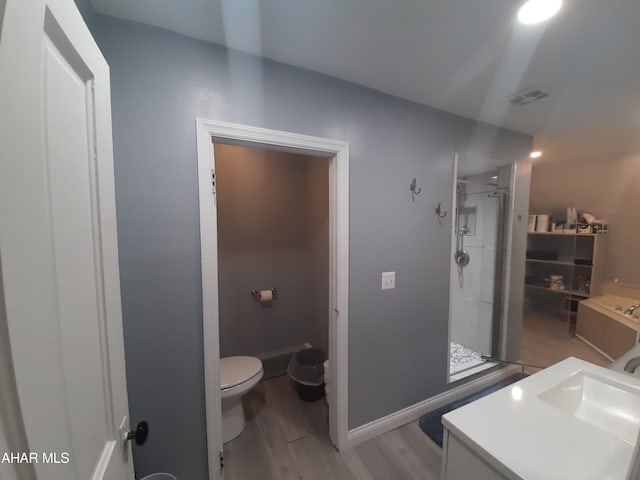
(607, 404)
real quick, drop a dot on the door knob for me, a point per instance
(140, 434)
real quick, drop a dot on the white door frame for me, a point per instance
(209, 131)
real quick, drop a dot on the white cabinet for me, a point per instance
(459, 462)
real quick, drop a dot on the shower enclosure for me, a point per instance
(479, 241)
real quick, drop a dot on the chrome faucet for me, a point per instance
(631, 309)
(632, 364)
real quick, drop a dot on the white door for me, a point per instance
(58, 247)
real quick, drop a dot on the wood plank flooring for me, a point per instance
(545, 341)
(287, 438)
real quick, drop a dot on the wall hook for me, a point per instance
(439, 211)
(414, 190)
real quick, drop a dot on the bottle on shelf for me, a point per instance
(582, 284)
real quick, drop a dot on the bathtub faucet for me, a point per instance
(632, 364)
(631, 309)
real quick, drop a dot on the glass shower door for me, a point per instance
(477, 270)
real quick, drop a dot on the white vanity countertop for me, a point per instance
(524, 437)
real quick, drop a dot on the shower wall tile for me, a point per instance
(456, 312)
(476, 200)
(472, 287)
(468, 284)
(485, 324)
(465, 329)
(487, 282)
(490, 223)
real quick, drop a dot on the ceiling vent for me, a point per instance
(527, 95)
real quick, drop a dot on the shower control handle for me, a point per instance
(462, 258)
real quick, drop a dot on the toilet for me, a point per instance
(238, 375)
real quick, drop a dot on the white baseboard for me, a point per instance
(402, 417)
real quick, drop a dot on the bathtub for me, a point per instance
(602, 324)
(614, 305)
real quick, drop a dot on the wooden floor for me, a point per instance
(545, 341)
(287, 438)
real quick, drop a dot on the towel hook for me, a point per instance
(414, 190)
(439, 211)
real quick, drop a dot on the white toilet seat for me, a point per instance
(242, 387)
(234, 371)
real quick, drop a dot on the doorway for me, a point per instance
(272, 211)
(479, 240)
(210, 133)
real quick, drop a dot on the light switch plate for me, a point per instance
(388, 280)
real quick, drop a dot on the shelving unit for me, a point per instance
(575, 293)
(556, 253)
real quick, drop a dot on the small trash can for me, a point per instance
(306, 369)
(159, 476)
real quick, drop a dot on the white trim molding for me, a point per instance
(402, 417)
(208, 132)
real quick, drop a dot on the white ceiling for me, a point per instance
(462, 56)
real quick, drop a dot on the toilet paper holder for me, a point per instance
(258, 296)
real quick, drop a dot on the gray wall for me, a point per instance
(273, 210)
(397, 339)
(86, 10)
(606, 188)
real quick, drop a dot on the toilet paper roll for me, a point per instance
(542, 223)
(266, 296)
(532, 223)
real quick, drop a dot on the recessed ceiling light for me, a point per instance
(495, 177)
(535, 154)
(536, 11)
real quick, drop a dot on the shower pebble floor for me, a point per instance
(462, 358)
